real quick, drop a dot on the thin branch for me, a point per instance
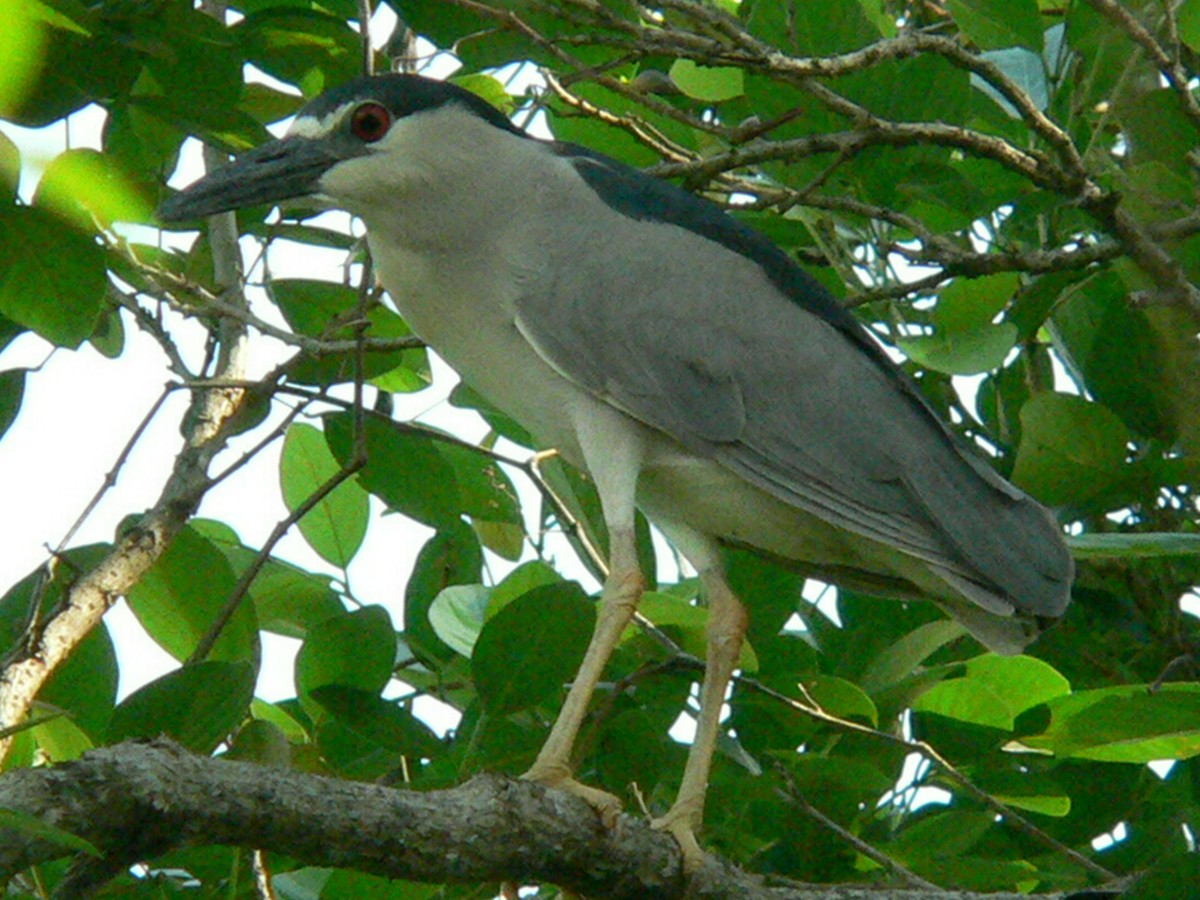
(238, 594)
(364, 24)
(110, 477)
(1168, 64)
(908, 877)
(168, 286)
(153, 327)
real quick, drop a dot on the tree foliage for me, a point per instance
(1002, 190)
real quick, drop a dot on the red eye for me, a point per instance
(370, 122)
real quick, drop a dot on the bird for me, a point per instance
(690, 366)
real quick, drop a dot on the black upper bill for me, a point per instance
(280, 170)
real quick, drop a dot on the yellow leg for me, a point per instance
(622, 590)
(726, 630)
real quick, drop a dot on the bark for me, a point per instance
(137, 800)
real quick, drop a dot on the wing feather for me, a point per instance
(702, 341)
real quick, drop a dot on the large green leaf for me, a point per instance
(198, 706)
(180, 596)
(61, 302)
(999, 23)
(323, 309)
(531, 647)
(12, 390)
(450, 557)
(994, 691)
(1071, 450)
(1126, 723)
(965, 339)
(336, 526)
(417, 472)
(353, 650)
(709, 83)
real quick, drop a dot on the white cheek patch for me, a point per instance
(312, 127)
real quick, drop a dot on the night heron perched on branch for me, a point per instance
(679, 357)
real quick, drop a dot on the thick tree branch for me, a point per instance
(138, 800)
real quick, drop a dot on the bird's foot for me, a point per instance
(681, 822)
(607, 805)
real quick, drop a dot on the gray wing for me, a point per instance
(697, 339)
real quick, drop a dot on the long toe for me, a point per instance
(607, 805)
(678, 823)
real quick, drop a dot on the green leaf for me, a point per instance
(180, 596)
(60, 739)
(532, 647)
(1070, 451)
(711, 84)
(34, 827)
(323, 309)
(61, 302)
(354, 650)
(965, 340)
(841, 698)
(966, 701)
(1113, 349)
(199, 706)
(12, 391)
(305, 47)
(287, 599)
(902, 658)
(1021, 682)
(336, 526)
(999, 23)
(10, 165)
(521, 580)
(81, 184)
(414, 471)
(381, 722)
(450, 557)
(1126, 723)
(261, 742)
(85, 685)
(965, 353)
(994, 691)
(1025, 69)
(457, 615)
(1145, 545)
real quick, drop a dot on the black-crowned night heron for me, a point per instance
(679, 357)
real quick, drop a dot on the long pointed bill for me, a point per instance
(280, 170)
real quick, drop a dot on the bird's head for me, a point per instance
(344, 149)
